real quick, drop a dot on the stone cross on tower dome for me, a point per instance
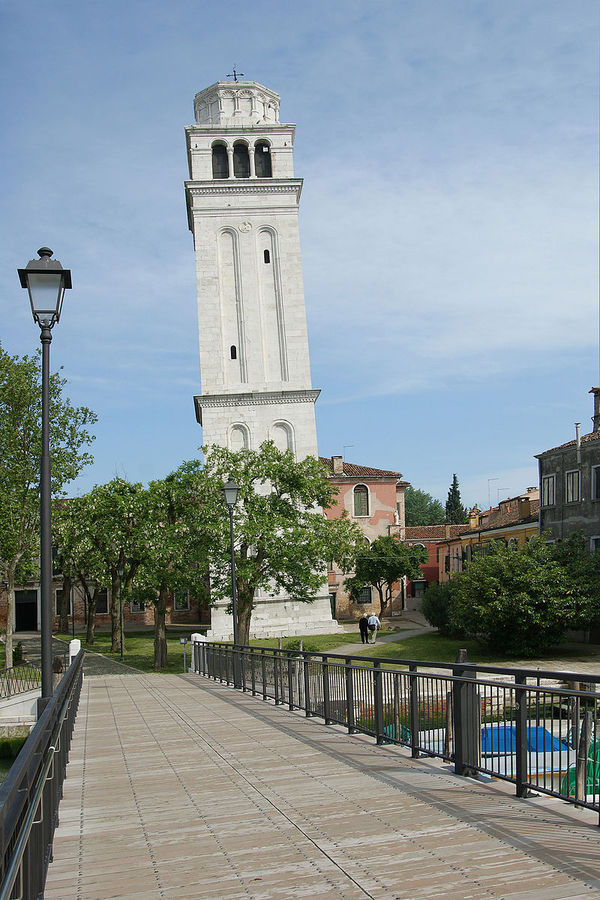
(242, 201)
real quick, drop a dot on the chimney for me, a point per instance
(338, 465)
(524, 507)
(474, 519)
(596, 417)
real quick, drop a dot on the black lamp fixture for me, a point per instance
(46, 282)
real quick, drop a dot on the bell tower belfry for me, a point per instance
(242, 200)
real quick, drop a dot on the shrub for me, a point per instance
(18, 654)
(436, 607)
(294, 644)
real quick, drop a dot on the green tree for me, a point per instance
(174, 544)
(283, 541)
(436, 606)
(421, 508)
(517, 601)
(382, 564)
(20, 452)
(456, 514)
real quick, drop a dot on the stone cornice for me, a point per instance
(268, 398)
(250, 186)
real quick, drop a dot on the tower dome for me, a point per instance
(232, 103)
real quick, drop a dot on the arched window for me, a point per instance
(239, 438)
(267, 258)
(262, 160)
(220, 161)
(241, 161)
(282, 436)
(233, 351)
(361, 500)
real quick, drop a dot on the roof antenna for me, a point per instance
(235, 74)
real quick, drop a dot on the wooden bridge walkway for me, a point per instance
(179, 787)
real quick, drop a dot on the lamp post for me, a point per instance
(230, 492)
(121, 572)
(46, 282)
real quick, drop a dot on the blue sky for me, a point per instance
(449, 219)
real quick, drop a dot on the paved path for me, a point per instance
(179, 787)
(358, 648)
(93, 663)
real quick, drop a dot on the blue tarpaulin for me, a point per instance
(503, 739)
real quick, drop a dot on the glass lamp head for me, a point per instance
(46, 282)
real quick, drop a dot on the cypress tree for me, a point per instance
(456, 514)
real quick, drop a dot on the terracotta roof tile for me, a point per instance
(585, 438)
(352, 470)
(431, 532)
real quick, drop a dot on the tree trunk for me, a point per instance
(245, 604)
(383, 604)
(160, 631)
(115, 614)
(63, 612)
(91, 614)
(10, 615)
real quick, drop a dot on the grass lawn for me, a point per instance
(139, 650)
(318, 643)
(434, 647)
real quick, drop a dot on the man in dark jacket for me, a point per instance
(364, 628)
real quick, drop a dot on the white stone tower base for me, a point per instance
(278, 618)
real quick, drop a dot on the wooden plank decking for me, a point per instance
(182, 788)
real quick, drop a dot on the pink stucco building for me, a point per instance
(374, 499)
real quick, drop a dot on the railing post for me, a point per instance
(378, 700)
(276, 676)
(413, 691)
(349, 695)
(307, 708)
(263, 666)
(290, 668)
(252, 672)
(467, 722)
(326, 703)
(521, 733)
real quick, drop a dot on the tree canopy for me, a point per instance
(381, 564)
(20, 455)
(421, 508)
(283, 541)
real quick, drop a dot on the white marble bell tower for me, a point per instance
(242, 201)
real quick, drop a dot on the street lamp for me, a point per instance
(230, 491)
(120, 573)
(46, 282)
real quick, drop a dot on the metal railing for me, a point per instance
(32, 790)
(18, 679)
(538, 730)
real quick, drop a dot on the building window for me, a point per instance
(137, 606)
(102, 601)
(181, 601)
(364, 596)
(233, 351)
(220, 161)
(595, 482)
(573, 486)
(58, 599)
(361, 500)
(594, 543)
(548, 491)
(266, 256)
(241, 161)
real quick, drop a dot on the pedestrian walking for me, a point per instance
(373, 623)
(363, 625)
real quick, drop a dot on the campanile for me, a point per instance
(242, 201)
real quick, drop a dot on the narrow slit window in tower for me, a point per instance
(233, 351)
(267, 256)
